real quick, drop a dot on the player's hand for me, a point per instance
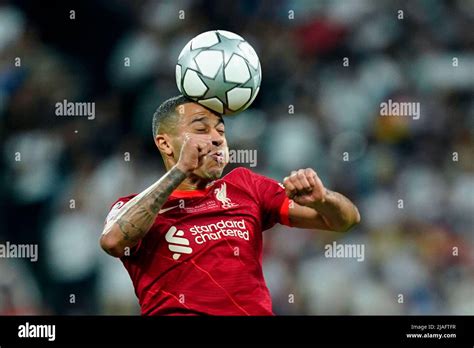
(305, 188)
(195, 147)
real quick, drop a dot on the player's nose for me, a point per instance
(216, 138)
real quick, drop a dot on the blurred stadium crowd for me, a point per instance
(72, 169)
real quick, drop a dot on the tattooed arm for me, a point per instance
(137, 216)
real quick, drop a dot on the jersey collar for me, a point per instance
(192, 193)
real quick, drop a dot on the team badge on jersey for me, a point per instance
(221, 196)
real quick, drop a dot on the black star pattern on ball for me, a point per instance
(218, 86)
(227, 46)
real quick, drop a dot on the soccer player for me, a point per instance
(192, 241)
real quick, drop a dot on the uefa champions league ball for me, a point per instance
(219, 70)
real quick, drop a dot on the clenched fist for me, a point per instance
(305, 188)
(195, 148)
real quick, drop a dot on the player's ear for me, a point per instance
(163, 143)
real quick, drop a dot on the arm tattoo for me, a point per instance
(139, 214)
(129, 230)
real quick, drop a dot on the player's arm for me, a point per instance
(317, 207)
(136, 217)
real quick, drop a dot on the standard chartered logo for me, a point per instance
(220, 230)
(202, 234)
(177, 244)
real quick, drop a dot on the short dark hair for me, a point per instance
(166, 110)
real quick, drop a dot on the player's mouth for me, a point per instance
(218, 156)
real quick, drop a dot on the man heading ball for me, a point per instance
(192, 241)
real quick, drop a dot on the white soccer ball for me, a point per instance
(219, 70)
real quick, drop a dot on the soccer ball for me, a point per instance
(219, 70)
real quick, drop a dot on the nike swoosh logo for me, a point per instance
(166, 209)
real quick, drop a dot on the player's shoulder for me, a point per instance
(117, 205)
(240, 174)
(122, 200)
(245, 177)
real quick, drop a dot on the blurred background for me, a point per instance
(72, 169)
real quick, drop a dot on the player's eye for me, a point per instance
(201, 130)
(221, 131)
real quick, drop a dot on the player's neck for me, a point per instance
(193, 183)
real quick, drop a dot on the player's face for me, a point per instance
(199, 120)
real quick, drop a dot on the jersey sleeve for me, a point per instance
(272, 198)
(113, 212)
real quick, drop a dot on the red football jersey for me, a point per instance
(203, 254)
